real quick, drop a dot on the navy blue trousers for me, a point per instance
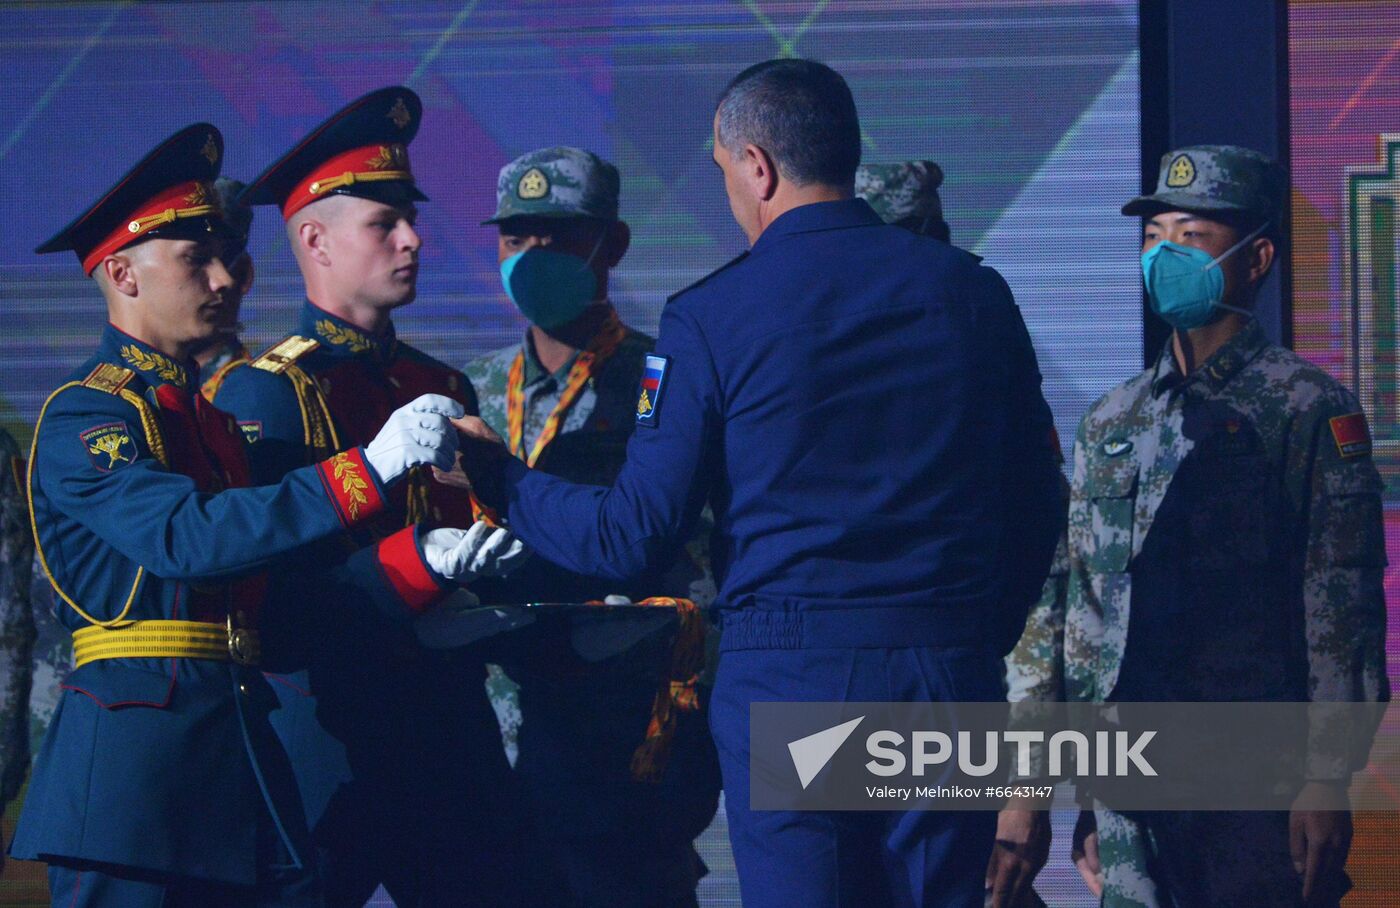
(828, 859)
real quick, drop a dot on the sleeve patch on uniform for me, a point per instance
(252, 430)
(109, 446)
(1350, 432)
(653, 387)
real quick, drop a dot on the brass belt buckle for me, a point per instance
(243, 645)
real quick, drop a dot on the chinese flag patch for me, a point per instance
(1350, 432)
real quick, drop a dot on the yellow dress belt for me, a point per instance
(167, 640)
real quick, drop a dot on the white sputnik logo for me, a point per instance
(812, 753)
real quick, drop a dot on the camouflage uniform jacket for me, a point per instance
(592, 440)
(16, 621)
(607, 404)
(1236, 511)
(1035, 668)
(590, 447)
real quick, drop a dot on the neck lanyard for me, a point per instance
(603, 345)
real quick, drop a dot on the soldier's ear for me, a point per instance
(760, 172)
(618, 241)
(312, 240)
(117, 272)
(243, 273)
(1261, 258)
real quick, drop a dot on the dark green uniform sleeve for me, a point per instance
(1332, 479)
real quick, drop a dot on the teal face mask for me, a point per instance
(550, 288)
(1184, 284)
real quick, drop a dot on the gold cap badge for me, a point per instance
(533, 185)
(1181, 172)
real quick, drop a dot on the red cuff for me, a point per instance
(351, 487)
(407, 572)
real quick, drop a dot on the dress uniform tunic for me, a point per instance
(167, 766)
(388, 738)
(160, 781)
(384, 734)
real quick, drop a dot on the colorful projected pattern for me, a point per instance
(1030, 107)
(1344, 83)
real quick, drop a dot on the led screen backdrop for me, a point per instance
(1344, 85)
(1030, 107)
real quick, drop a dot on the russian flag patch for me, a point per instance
(653, 386)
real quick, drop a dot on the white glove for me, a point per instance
(483, 550)
(414, 434)
(617, 599)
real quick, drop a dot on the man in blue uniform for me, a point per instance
(862, 407)
(160, 781)
(387, 737)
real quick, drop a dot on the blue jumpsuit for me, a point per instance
(862, 408)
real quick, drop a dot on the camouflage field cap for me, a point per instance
(1209, 178)
(557, 182)
(237, 215)
(902, 190)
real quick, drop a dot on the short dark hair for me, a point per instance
(799, 111)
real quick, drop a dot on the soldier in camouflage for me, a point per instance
(1227, 498)
(17, 630)
(905, 194)
(35, 649)
(216, 360)
(565, 400)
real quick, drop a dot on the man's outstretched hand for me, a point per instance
(478, 447)
(476, 427)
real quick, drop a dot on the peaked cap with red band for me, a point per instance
(169, 194)
(361, 150)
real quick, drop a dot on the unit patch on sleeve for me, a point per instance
(1351, 435)
(252, 430)
(653, 386)
(109, 446)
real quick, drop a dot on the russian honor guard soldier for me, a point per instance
(1226, 544)
(565, 397)
(857, 403)
(387, 737)
(160, 781)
